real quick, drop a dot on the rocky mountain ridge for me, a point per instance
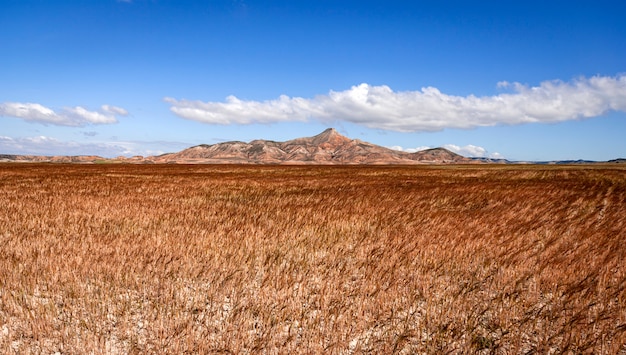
(326, 148)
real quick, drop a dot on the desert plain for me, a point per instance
(503, 259)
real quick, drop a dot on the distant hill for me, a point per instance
(326, 148)
(50, 159)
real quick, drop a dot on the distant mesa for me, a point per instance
(326, 148)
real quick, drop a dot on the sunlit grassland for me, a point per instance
(269, 259)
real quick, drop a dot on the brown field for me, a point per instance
(267, 259)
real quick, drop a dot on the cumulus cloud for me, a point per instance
(69, 116)
(238, 111)
(409, 150)
(472, 151)
(114, 110)
(425, 110)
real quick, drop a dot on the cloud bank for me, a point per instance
(70, 116)
(426, 110)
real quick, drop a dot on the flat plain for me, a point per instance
(505, 259)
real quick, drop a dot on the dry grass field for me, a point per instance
(115, 259)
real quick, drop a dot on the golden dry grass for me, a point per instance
(344, 260)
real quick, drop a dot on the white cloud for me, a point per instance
(114, 110)
(409, 150)
(244, 112)
(472, 151)
(70, 116)
(425, 110)
(468, 150)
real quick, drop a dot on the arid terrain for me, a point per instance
(123, 258)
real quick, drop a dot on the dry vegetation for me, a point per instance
(236, 259)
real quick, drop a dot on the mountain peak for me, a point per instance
(328, 132)
(330, 135)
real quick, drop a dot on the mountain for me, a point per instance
(328, 147)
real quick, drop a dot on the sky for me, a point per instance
(522, 80)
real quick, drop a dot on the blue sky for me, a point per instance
(523, 80)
